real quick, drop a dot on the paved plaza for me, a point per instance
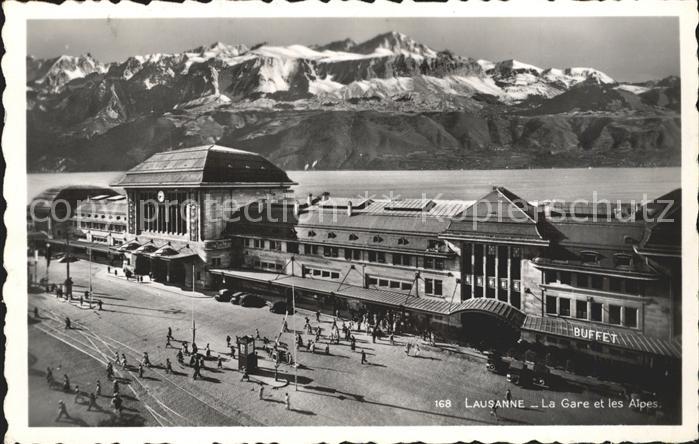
(334, 389)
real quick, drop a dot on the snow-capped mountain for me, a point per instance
(215, 92)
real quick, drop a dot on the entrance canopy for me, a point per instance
(614, 337)
(387, 298)
(493, 307)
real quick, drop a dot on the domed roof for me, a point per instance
(209, 166)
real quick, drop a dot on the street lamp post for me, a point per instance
(89, 260)
(194, 329)
(296, 362)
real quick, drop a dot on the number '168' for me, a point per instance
(442, 403)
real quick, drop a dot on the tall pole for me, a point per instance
(89, 260)
(296, 362)
(194, 329)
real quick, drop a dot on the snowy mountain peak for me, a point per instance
(345, 45)
(220, 49)
(513, 65)
(395, 43)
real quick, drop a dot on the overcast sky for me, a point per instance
(628, 49)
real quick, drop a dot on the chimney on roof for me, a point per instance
(297, 208)
(309, 200)
(349, 207)
(326, 196)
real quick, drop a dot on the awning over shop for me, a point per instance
(381, 297)
(613, 337)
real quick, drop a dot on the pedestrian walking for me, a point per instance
(115, 387)
(62, 411)
(287, 401)
(257, 334)
(167, 342)
(168, 366)
(110, 371)
(78, 394)
(123, 360)
(262, 392)
(494, 412)
(36, 312)
(67, 323)
(390, 339)
(228, 341)
(208, 350)
(93, 402)
(169, 332)
(373, 336)
(66, 383)
(140, 370)
(508, 395)
(195, 349)
(317, 316)
(407, 349)
(146, 359)
(109, 269)
(180, 357)
(286, 327)
(49, 376)
(116, 357)
(353, 343)
(364, 361)
(81, 300)
(232, 352)
(98, 388)
(99, 304)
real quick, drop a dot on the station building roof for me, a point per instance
(205, 166)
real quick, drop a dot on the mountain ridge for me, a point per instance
(76, 102)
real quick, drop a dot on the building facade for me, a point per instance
(587, 287)
(179, 202)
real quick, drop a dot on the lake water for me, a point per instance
(566, 184)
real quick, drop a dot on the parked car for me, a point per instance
(235, 298)
(224, 295)
(281, 307)
(519, 374)
(496, 364)
(251, 300)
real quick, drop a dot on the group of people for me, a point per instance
(80, 396)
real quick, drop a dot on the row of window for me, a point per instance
(103, 216)
(389, 283)
(592, 311)
(274, 266)
(118, 228)
(350, 254)
(480, 259)
(320, 273)
(595, 282)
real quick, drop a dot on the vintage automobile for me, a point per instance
(496, 364)
(519, 374)
(251, 300)
(224, 295)
(281, 307)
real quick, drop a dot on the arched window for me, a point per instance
(331, 235)
(311, 233)
(353, 237)
(590, 257)
(403, 241)
(378, 239)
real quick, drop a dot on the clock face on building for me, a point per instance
(161, 196)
